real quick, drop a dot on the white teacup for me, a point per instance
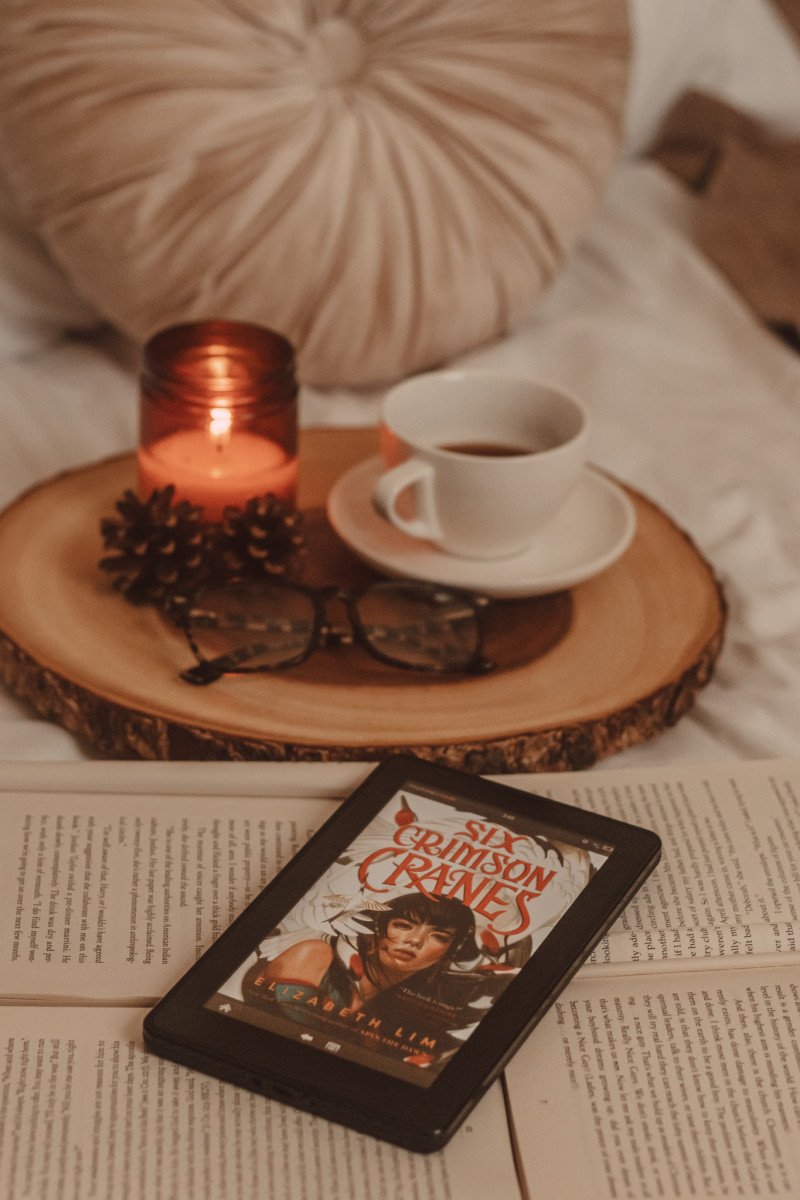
(487, 460)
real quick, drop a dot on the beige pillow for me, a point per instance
(387, 182)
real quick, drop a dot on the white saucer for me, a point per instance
(591, 531)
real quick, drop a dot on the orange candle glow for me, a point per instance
(213, 475)
(218, 416)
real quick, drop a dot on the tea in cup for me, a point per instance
(477, 463)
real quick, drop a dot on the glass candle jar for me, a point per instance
(218, 415)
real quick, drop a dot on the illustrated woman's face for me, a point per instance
(409, 946)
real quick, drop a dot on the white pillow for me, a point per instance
(387, 183)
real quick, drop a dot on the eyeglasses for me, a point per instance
(256, 628)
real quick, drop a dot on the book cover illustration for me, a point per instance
(396, 953)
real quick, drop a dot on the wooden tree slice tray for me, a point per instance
(583, 674)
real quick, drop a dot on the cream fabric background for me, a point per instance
(692, 401)
(388, 182)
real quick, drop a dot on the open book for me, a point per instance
(669, 1067)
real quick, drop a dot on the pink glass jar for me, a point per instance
(218, 415)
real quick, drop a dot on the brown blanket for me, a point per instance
(748, 217)
(790, 10)
(748, 184)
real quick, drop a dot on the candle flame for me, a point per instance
(219, 426)
(219, 365)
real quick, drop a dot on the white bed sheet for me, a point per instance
(692, 402)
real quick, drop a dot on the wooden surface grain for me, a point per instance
(583, 673)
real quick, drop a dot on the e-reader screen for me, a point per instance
(400, 948)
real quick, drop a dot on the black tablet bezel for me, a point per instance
(418, 1118)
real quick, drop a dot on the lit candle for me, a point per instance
(218, 416)
(212, 475)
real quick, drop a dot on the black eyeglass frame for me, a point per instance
(324, 633)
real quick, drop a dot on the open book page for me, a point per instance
(142, 884)
(85, 1111)
(683, 1084)
(111, 897)
(683, 1081)
(729, 881)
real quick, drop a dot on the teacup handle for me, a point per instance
(411, 473)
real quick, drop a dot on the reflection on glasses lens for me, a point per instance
(265, 627)
(427, 628)
(262, 628)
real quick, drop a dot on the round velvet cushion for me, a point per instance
(386, 182)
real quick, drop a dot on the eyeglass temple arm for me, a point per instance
(212, 669)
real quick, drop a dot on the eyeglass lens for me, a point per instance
(274, 626)
(429, 630)
(266, 628)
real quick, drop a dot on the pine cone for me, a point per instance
(160, 549)
(263, 538)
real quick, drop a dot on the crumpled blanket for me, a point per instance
(747, 217)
